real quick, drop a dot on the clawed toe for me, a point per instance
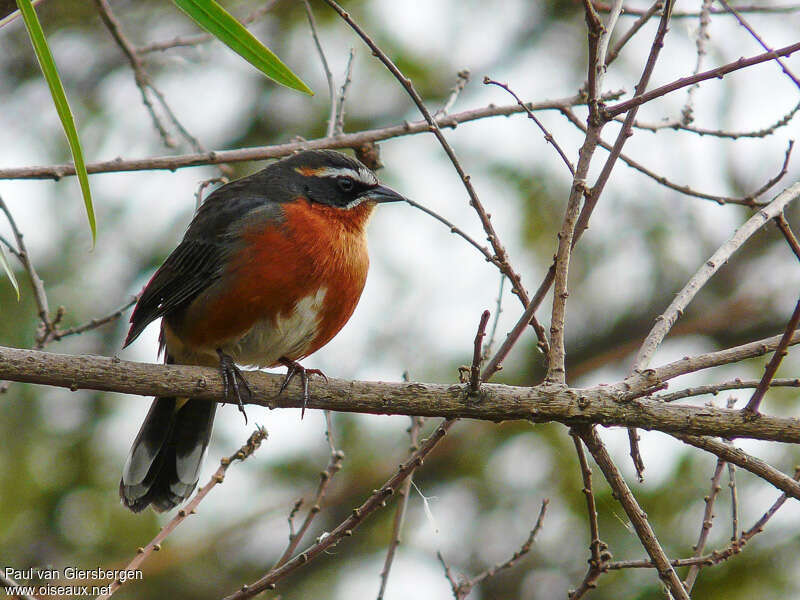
(233, 380)
(294, 368)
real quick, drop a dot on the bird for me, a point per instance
(269, 270)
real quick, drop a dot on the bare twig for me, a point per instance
(39, 294)
(711, 359)
(702, 36)
(636, 454)
(548, 137)
(749, 200)
(637, 516)
(475, 368)
(665, 321)
(705, 526)
(746, 461)
(143, 81)
(351, 140)
(774, 363)
(719, 133)
(400, 511)
(758, 38)
(734, 500)
(345, 529)
(715, 388)
(689, 14)
(593, 131)
(328, 75)
(717, 556)
(10, 582)
(462, 587)
(487, 347)
(250, 446)
(59, 334)
(657, 6)
(787, 232)
(348, 78)
(716, 73)
(325, 477)
(194, 40)
(598, 550)
(462, 78)
(448, 573)
(434, 127)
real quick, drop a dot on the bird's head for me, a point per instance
(335, 180)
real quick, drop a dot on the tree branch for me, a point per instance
(349, 140)
(610, 405)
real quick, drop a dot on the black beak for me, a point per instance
(383, 193)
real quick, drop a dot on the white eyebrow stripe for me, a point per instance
(362, 175)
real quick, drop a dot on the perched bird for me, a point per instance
(269, 270)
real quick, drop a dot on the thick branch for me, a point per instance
(603, 405)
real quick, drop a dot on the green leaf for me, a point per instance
(9, 272)
(218, 22)
(50, 73)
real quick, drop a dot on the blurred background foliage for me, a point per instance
(61, 452)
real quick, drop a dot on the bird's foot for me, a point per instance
(233, 381)
(294, 368)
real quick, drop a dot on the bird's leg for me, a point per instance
(232, 378)
(293, 368)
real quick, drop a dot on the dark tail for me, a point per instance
(164, 462)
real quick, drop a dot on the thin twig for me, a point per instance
(433, 126)
(705, 526)
(548, 137)
(598, 550)
(59, 334)
(665, 321)
(717, 556)
(350, 140)
(462, 587)
(787, 232)
(774, 363)
(462, 78)
(702, 36)
(328, 75)
(748, 200)
(752, 32)
(37, 285)
(743, 460)
(250, 446)
(325, 477)
(732, 486)
(487, 347)
(715, 388)
(345, 529)
(400, 511)
(716, 73)
(637, 516)
(9, 582)
(657, 6)
(689, 14)
(475, 368)
(579, 189)
(348, 78)
(194, 40)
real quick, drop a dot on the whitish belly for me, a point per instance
(290, 335)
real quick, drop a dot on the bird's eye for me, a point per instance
(346, 184)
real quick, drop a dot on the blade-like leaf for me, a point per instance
(218, 22)
(50, 73)
(9, 272)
